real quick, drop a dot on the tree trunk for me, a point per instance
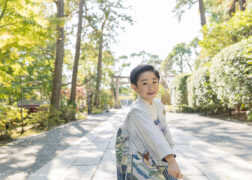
(55, 98)
(242, 4)
(202, 13)
(76, 59)
(99, 71)
(231, 9)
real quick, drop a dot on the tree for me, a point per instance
(148, 58)
(105, 20)
(242, 4)
(181, 5)
(24, 30)
(77, 56)
(57, 77)
(218, 36)
(179, 56)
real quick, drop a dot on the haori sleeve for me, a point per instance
(150, 135)
(168, 135)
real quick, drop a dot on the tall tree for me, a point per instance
(105, 21)
(242, 4)
(181, 5)
(147, 58)
(180, 56)
(76, 58)
(24, 29)
(57, 77)
(202, 13)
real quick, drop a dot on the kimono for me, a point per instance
(142, 142)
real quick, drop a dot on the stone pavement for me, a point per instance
(93, 157)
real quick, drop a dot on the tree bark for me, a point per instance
(242, 4)
(55, 98)
(99, 65)
(231, 9)
(202, 13)
(76, 58)
(99, 71)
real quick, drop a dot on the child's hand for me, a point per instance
(173, 168)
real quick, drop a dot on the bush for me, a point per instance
(191, 91)
(230, 75)
(204, 98)
(106, 98)
(67, 113)
(164, 95)
(181, 90)
(10, 117)
(180, 109)
(46, 117)
(249, 115)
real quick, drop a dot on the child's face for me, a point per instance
(147, 86)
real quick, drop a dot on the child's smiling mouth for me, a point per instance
(151, 93)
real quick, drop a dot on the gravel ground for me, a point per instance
(25, 156)
(233, 137)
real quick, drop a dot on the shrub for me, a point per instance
(46, 117)
(191, 91)
(67, 113)
(106, 98)
(249, 115)
(10, 117)
(180, 108)
(164, 94)
(181, 89)
(230, 75)
(205, 98)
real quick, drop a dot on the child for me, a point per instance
(144, 146)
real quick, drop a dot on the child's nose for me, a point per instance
(151, 86)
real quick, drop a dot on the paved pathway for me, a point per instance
(232, 137)
(92, 157)
(27, 155)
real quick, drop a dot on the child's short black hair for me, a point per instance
(140, 69)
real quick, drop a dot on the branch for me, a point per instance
(5, 7)
(88, 18)
(5, 25)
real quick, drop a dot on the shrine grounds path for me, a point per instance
(207, 149)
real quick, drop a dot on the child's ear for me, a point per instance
(134, 87)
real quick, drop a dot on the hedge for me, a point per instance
(181, 89)
(231, 75)
(201, 97)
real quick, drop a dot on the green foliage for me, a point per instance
(181, 89)
(66, 112)
(41, 117)
(180, 109)
(10, 117)
(106, 98)
(46, 117)
(217, 36)
(181, 6)
(164, 94)
(134, 95)
(191, 91)
(200, 94)
(249, 115)
(180, 56)
(230, 75)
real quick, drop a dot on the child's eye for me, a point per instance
(144, 83)
(154, 82)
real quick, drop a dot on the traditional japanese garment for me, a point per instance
(142, 143)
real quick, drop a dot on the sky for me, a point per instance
(156, 29)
